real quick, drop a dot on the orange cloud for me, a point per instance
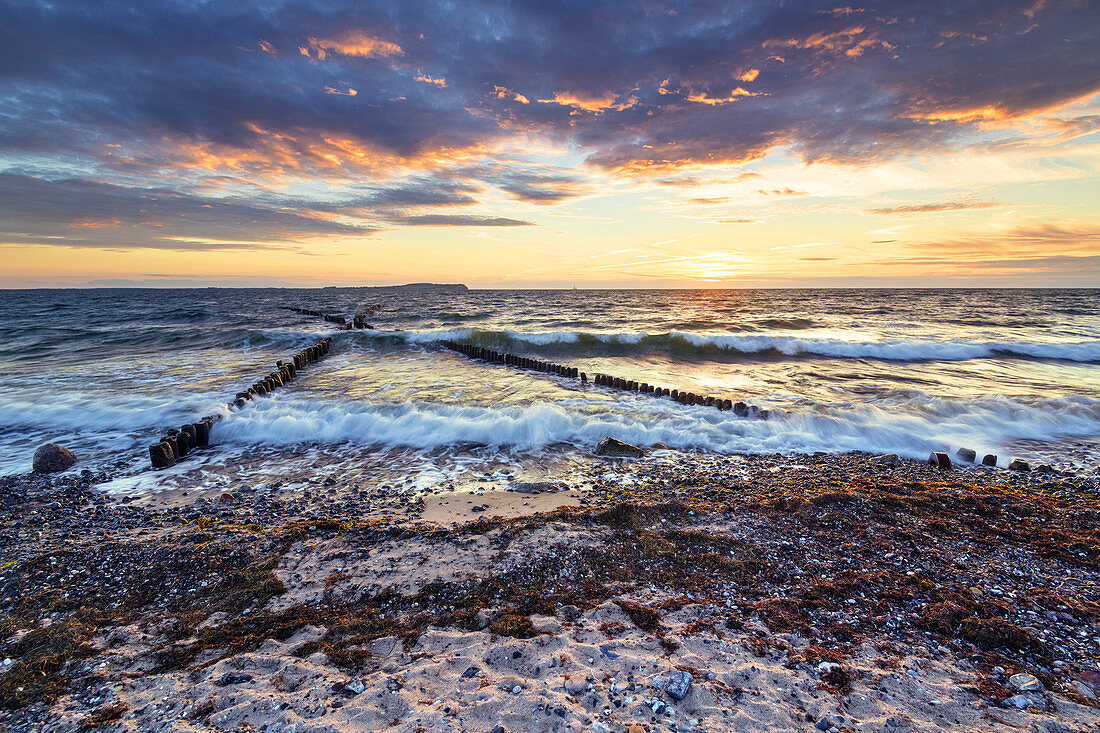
(279, 158)
(349, 92)
(749, 76)
(357, 43)
(506, 93)
(440, 82)
(266, 47)
(96, 224)
(702, 98)
(588, 102)
(844, 41)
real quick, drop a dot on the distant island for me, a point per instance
(452, 287)
(429, 286)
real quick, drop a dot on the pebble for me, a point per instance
(1017, 701)
(1025, 683)
(679, 682)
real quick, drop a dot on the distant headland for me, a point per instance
(453, 287)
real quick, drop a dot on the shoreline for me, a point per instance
(795, 591)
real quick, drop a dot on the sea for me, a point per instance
(1015, 373)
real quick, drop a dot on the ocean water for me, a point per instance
(1010, 372)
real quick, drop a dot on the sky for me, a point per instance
(550, 144)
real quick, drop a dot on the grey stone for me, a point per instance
(1017, 701)
(618, 449)
(1084, 690)
(51, 458)
(887, 459)
(1025, 683)
(967, 454)
(678, 684)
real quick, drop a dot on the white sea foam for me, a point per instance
(913, 428)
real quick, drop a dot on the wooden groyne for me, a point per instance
(177, 443)
(684, 397)
(341, 323)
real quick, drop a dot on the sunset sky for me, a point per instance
(526, 144)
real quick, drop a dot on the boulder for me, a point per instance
(1018, 465)
(939, 460)
(51, 457)
(967, 454)
(618, 449)
(989, 460)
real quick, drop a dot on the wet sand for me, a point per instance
(675, 592)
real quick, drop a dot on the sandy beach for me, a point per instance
(674, 592)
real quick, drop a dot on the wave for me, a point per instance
(912, 426)
(746, 346)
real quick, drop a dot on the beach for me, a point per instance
(670, 592)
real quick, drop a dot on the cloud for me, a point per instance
(356, 43)
(956, 205)
(527, 183)
(785, 191)
(458, 220)
(1066, 236)
(425, 78)
(634, 91)
(83, 213)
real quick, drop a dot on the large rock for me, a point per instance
(51, 457)
(967, 454)
(618, 449)
(939, 460)
(887, 460)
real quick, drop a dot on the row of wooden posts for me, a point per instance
(178, 443)
(684, 397)
(341, 323)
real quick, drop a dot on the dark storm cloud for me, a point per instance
(528, 183)
(636, 84)
(82, 213)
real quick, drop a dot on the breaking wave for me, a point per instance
(910, 426)
(743, 345)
